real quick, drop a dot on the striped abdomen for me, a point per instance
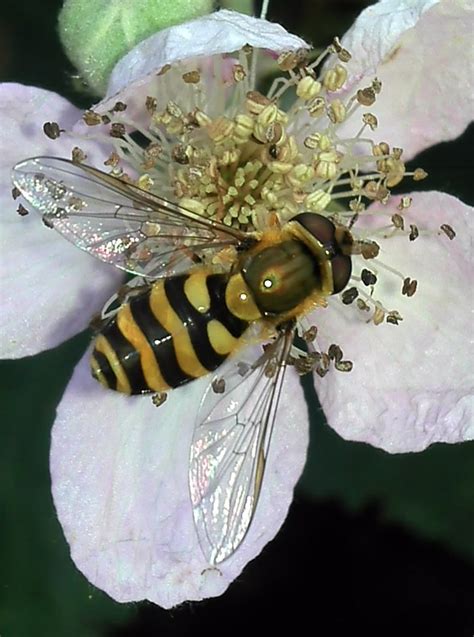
(178, 330)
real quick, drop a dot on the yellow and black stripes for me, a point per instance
(178, 330)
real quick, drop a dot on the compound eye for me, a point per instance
(341, 272)
(320, 227)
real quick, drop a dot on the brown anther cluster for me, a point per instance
(22, 211)
(319, 362)
(15, 193)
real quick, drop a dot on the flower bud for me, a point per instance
(97, 33)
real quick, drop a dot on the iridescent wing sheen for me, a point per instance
(116, 221)
(230, 447)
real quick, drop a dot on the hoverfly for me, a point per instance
(202, 292)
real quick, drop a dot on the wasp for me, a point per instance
(202, 293)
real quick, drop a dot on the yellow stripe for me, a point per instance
(95, 367)
(185, 354)
(220, 338)
(196, 290)
(133, 334)
(102, 345)
(239, 299)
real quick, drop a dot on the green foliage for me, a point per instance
(43, 594)
(429, 492)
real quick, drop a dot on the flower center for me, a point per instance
(205, 136)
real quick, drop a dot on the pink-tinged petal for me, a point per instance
(119, 469)
(220, 32)
(49, 289)
(421, 50)
(412, 384)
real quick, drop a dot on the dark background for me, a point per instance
(373, 543)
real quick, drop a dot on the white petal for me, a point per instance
(412, 384)
(421, 50)
(49, 289)
(220, 32)
(378, 29)
(119, 469)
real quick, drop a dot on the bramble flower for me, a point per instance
(184, 117)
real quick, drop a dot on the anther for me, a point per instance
(394, 317)
(51, 130)
(78, 155)
(366, 96)
(342, 53)
(448, 231)
(405, 202)
(414, 233)
(218, 385)
(344, 366)
(409, 287)
(378, 316)
(238, 73)
(419, 174)
(192, 77)
(22, 211)
(119, 107)
(310, 334)
(368, 277)
(398, 221)
(151, 104)
(370, 120)
(117, 130)
(335, 353)
(159, 398)
(350, 295)
(91, 118)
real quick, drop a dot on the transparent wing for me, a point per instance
(230, 447)
(118, 222)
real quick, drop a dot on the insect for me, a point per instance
(204, 295)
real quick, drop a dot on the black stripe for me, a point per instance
(160, 341)
(105, 368)
(128, 357)
(195, 322)
(217, 285)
